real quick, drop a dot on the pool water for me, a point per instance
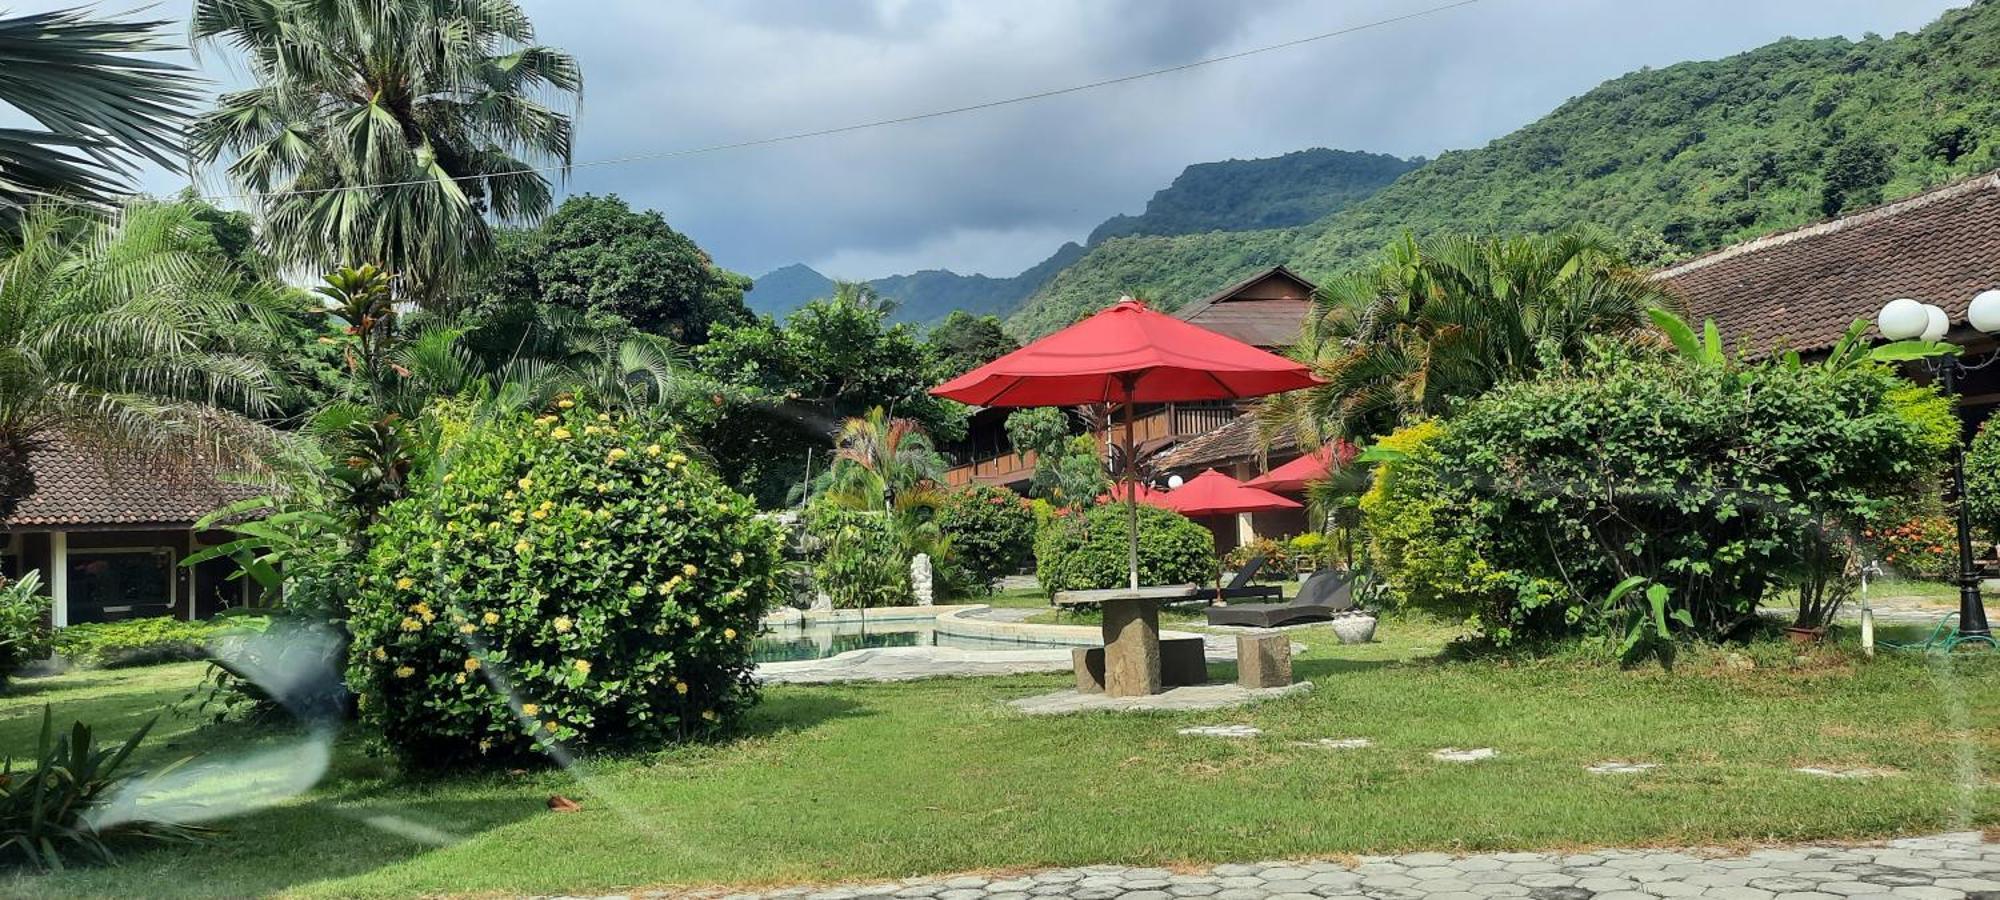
(785, 644)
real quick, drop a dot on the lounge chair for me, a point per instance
(1326, 594)
(1240, 586)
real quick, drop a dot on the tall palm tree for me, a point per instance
(105, 331)
(887, 465)
(388, 131)
(1448, 318)
(102, 103)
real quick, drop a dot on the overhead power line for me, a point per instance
(879, 123)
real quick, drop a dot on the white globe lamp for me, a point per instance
(1174, 482)
(1903, 320)
(1984, 313)
(1934, 330)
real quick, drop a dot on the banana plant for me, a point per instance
(1647, 625)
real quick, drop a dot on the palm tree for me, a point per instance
(887, 465)
(102, 103)
(105, 334)
(1448, 318)
(387, 131)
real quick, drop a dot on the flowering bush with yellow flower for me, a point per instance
(576, 579)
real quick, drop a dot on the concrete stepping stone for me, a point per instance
(1617, 767)
(1455, 755)
(1857, 772)
(1225, 731)
(1336, 743)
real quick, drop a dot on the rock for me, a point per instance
(1453, 754)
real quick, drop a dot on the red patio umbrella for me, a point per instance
(1292, 477)
(1128, 354)
(1214, 494)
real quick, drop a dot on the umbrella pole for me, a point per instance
(1131, 495)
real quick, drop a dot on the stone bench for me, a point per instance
(1183, 661)
(1263, 659)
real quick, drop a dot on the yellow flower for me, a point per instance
(404, 583)
(736, 559)
(561, 434)
(459, 678)
(405, 671)
(652, 449)
(695, 621)
(467, 628)
(603, 417)
(708, 714)
(582, 666)
(563, 624)
(616, 454)
(680, 687)
(538, 514)
(550, 725)
(514, 517)
(449, 477)
(689, 570)
(544, 420)
(547, 504)
(410, 624)
(423, 611)
(669, 586)
(472, 664)
(485, 745)
(522, 547)
(590, 429)
(677, 458)
(529, 709)
(491, 618)
(729, 634)
(360, 701)
(381, 653)
(565, 403)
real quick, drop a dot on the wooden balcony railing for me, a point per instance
(1003, 468)
(1175, 422)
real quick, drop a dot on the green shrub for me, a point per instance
(1982, 479)
(24, 624)
(856, 559)
(1718, 482)
(1919, 547)
(992, 534)
(1088, 550)
(47, 813)
(573, 579)
(134, 642)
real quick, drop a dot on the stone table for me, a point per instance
(1131, 633)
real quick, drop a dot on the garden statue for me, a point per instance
(920, 578)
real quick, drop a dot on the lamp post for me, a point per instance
(1905, 319)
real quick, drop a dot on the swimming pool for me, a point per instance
(785, 643)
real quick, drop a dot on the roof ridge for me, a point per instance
(1967, 185)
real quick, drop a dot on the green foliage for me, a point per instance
(24, 629)
(103, 102)
(856, 558)
(963, 342)
(992, 534)
(1715, 483)
(573, 580)
(1982, 478)
(598, 256)
(1041, 430)
(52, 812)
(790, 385)
(134, 642)
(445, 111)
(1088, 549)
(1923, 546)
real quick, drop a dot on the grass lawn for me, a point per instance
(876, 781)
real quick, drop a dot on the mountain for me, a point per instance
(1250, 194)
(1671, 162)
(1232, 195)
(780, 291)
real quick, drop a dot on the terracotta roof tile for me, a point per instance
(1232, 443)
(1801, 289)
(82, 487)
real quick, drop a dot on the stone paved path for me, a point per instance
(1945, 867)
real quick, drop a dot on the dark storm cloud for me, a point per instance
(995, 191)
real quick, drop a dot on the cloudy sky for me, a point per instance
(997, 190)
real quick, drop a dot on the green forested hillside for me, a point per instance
(1250, 194)
(1677, 161)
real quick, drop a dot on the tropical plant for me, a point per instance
(103, 102)
(856, 558)
(1445, 319)
(388, 132)
(1089, 549)
(573, 579)
(992, 534)
(24, 623)
(134, 642)
(50, 812)
(104, 329)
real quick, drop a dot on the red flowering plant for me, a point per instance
(570, 579)
(1923, 546)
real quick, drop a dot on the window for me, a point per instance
(109, 585)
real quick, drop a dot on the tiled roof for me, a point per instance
(1263, 310)
(81, 487)
(1801, 289)
(1232, 443)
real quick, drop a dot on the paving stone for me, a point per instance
(1738, 892)
(1193, 889)
(1455, 755)
(1425, 859)
(1806, 895)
